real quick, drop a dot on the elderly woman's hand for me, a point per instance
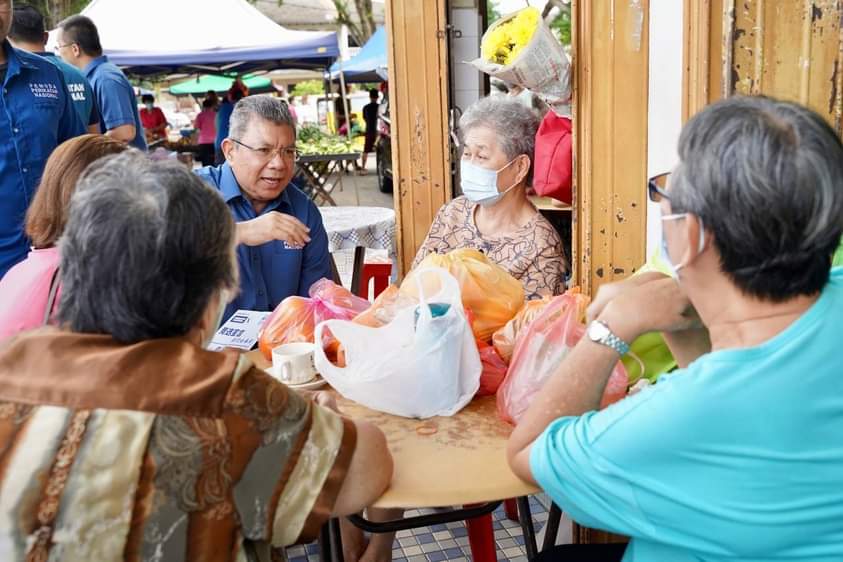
(657, 305)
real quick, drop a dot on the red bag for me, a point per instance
(539, 351)
(494, 370)
(553, 159)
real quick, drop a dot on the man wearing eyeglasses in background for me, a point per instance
(78, 43)
(282, 244)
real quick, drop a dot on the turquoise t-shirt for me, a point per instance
(739, 457)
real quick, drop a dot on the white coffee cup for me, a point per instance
(292, 363)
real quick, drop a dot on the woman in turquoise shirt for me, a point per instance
(738, 455)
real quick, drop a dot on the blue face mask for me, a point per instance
(480, 185)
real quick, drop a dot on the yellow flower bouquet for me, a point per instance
(520, 49)
(504, 42)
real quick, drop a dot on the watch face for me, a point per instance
(597, 331)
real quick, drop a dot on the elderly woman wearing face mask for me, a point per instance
(494, 215)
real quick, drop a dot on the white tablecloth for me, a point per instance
(369, 227)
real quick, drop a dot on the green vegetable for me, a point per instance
(311, 140)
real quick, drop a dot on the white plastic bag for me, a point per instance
(408, 368)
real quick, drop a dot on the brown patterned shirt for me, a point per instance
(159, 450)
(532, 254)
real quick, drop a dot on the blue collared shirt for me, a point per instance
(36, 115)
(273, 271)
(115, 98)
(80, 91)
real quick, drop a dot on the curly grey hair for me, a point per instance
(514, 124)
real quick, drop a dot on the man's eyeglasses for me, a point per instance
(58, 48)
(289, 154)
(656, 188)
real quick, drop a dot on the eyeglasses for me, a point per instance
(656, 188)
(290, 154)
(58, 48)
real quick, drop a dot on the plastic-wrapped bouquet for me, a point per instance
(520, 49)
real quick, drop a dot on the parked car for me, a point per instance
(383, 148)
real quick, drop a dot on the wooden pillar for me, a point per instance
(611, 59)
(790, 50)
(611, 62)
(418, 99)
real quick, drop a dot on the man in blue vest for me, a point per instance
(28, 34)
(36, 115)
(78, 43)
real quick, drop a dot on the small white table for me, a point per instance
(360, 228)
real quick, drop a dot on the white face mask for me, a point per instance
(480, 185)
(666, 255)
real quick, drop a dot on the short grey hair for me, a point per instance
(765, 177)
(146, 247)
(274, 110)
(514, 124)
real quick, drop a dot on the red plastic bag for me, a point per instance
(494, 370)
(294, 319)
(539, 351)
(553, 158)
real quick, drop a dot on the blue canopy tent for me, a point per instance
(368, 65)
(212, 37)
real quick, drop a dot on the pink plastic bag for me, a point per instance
(540, 349)
(295, 318)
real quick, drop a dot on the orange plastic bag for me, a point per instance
(493, 295)
(294, 319)
(505, 338)
(494, 370)
(540, 349)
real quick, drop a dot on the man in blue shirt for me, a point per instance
(78, 43)
(282, 244)
(223, 117)
(737, 455)
(28, 34)
(36, 115)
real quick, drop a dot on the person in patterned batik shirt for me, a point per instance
(122, 437)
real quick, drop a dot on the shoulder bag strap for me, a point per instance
(51, 297)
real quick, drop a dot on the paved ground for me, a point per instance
(362, 191)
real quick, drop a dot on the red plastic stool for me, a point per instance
(380, 272)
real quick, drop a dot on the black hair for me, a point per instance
(83, 32)
(27, 24)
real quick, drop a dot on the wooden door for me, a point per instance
(418, 97)
(790, 49)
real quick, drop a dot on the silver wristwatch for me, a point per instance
(598, 331)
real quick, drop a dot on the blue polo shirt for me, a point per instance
(80, 91)
(738, 457)
(115, 98)
(36, 115)
(223, 120)
(273, 271)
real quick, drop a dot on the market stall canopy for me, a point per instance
(222, 36)
(202, 84)
(368, 65)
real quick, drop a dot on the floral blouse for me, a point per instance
(532, 254)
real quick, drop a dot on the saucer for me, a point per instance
(309, 385)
